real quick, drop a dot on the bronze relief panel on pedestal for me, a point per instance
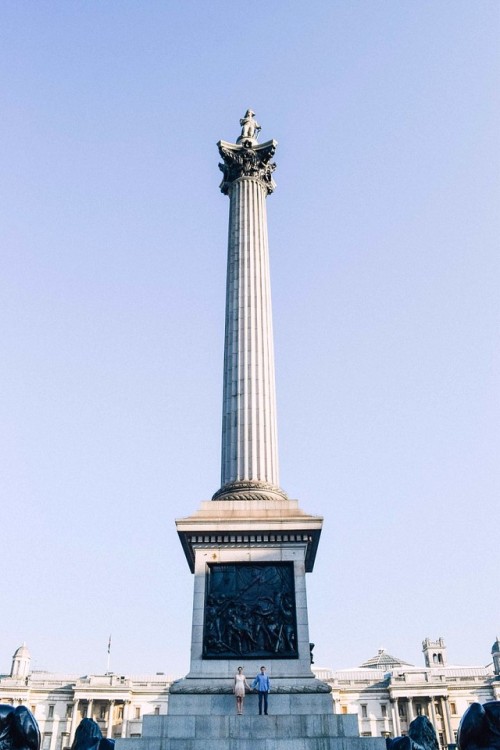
(250, 611)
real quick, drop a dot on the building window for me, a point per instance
(157, 710)
(64, 740)
(401, 710)
(343, 709)
(33, 709)
(69, 710)
(437, 706)
(441, 739)
(364, 711)
(47, 739)
(383, 708)
(102, 712)
(453, 708)
(366, 734)
(418, 709)
(119, 712)
(51, 712)
(137, 712)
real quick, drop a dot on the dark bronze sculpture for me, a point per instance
(421, 736)
(480, 727)
(88, 736)
(250, 611)
(18, 729)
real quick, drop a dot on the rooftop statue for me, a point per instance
(480, 727)
(18, 729)
(421, 736)
(250, 128)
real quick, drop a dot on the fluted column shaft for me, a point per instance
(249, 431)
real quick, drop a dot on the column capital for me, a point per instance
(247, 159)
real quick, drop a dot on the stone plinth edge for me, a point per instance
(199, 687)
(270, 522)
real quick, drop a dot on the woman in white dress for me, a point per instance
(240, 683)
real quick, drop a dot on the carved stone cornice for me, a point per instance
(247, 159)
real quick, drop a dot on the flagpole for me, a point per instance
(109, 654)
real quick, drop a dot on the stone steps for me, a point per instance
(280, 732)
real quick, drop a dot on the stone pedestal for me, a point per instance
(202, 708)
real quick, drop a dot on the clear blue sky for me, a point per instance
(384, 237)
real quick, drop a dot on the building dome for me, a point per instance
(22, 652)
(384, 661)
(21, 662)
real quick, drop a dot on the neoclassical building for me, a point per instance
(385, 692)
(60, 701)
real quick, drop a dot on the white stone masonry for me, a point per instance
(249, 431)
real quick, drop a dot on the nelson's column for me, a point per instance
(250, 546)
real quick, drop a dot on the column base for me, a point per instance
(249, 490)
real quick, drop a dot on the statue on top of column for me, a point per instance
(250, 128)
(247, 157)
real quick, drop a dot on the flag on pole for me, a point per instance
(109, 645)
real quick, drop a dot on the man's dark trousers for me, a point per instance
(262, 697)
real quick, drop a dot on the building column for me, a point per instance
(126, 705)
(73, 722)
(109, 731)
(55, 730)
(411, 713)
(249, 429)
(89, 708)
(445, 708)
(395, 717)
(432, 714)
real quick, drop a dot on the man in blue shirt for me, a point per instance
(263, 685)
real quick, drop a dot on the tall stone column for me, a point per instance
(249, 466)
(250, 546)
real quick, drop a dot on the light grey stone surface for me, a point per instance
(280, 704)
(232, 732)
(249, 432)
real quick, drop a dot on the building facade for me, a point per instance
(60, 701)
(386, 694)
